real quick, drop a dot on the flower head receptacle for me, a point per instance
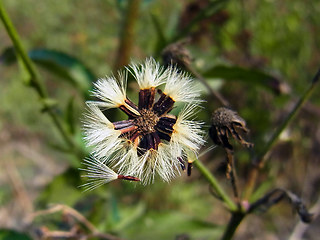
(151, 141)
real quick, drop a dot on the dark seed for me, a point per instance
(146, 98)
(163, 105)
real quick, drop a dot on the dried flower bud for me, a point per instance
(176, 54)
(227, 123)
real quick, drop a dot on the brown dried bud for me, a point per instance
(227, 123)
(176, 54)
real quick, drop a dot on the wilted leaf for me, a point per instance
(275, 197)
(300, 207)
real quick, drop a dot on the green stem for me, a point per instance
(233, 224)
(289, 118)
(35, 80)
(215, 185)
(262, 157)
(19, 49)
(213, 93)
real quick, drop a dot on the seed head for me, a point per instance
(151, 141)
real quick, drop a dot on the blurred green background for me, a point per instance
(260, 55)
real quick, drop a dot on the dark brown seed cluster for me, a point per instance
(149, 123)
(227, 123)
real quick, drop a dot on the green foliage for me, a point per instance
(246, 50)
(6, 234)
(168, 225)
(64, 66)
(63, 189)
(250, 76)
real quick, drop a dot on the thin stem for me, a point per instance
(127, 34)
(215, 185)
(35, 80)
(19, 49)
(233, 177)
(233, 224)
(212, 92)
(260, 161)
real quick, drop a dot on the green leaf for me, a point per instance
(251, 76)
(65, 66)
(7, 234)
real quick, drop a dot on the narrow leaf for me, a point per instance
(66, 67)
(252, 76)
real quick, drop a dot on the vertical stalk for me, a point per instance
(233, 176)
(233, 224)
(213, 93)
(35, 80)
(259, 162)
(19, 49)
(127, 34)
